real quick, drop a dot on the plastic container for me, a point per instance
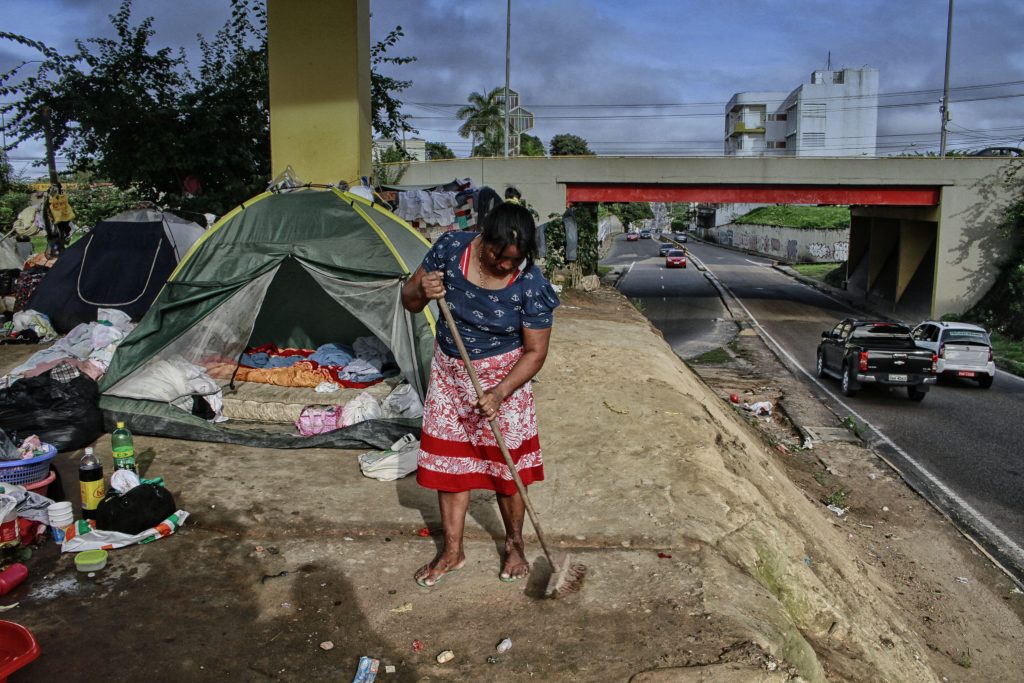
(18, 647)
(12, 577)
(27, 471)
(91, 560)
(43, 485)
(90, 483)
(122, 447)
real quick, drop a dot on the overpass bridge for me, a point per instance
(924, 233)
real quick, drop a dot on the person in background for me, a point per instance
(503, 308)
(513, 195)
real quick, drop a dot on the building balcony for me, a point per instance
(740, 127)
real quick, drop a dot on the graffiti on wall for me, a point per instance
(841, 251)
(791, 250)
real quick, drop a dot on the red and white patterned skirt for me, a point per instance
(457, 448)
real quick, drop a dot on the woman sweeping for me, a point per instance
(502, 306)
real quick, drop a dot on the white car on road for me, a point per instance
(963, 350)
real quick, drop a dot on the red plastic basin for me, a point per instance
(18, 647)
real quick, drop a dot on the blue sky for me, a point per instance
(589, 67)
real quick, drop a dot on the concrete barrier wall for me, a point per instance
(796, 245)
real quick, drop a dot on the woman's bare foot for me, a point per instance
(432, 572)
(516, 565)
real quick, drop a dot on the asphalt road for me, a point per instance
(962, 446)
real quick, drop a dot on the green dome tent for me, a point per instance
(296, 268)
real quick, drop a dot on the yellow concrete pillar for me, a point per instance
(916, 238)
(319, 53)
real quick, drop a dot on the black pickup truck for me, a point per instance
(860, 352)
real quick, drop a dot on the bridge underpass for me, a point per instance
(924, 235)
(893, 232)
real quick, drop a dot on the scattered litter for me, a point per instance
(272, 550)
(665, 556)
(273, 576)
(492, 660)
(259, 549)
(367, 670)
(327, 645)
(389, 668)
(424, 532)
(81, 536)
(808, 561)
(417, 645)
(1015, 590)
(734, 398)
(872, 476)
(866, 526)
(885, 508)
(348, 538)
(445, 656)
(5, 608)
(759, 408)
(504, 646)
(962, 579)
(836, 509)
(286, 605)
(327, 388)
(615, 410)
(407, 607)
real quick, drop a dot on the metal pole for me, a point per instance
(508, 45)
(945, 85)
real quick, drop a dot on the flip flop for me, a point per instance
(422, 583)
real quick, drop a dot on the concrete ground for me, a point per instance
(706, 561)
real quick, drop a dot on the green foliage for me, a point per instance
(483, 121)
(830, 273)
(717, 356)
(569, 145)
(530, 146)
(587, 246)
(12, 202)
(96, 203)
(389, 165)
(387, 118)
(630, 212)
(828, 217)
(439, 150)
(142, 118)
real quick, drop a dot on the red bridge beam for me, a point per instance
(878, 195)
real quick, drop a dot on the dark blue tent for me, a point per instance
(122, 263)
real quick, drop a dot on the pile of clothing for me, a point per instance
(363, 364)
(89, 347)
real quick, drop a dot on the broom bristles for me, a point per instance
(566, 578)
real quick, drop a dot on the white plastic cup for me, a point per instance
(63, 506)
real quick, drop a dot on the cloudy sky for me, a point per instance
(646, 77)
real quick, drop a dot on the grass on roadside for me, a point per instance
(604, 270)
(823, 217)
(717, 356)
(1009, 354)
(818, 271)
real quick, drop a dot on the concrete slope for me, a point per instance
(639, 450)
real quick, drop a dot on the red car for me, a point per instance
(675, 258)
(632, 237)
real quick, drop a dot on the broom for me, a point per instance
(566, 577)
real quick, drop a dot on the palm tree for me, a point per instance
(483, 118)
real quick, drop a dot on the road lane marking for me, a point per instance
(760, 265)
(1005, 543)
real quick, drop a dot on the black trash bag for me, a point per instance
(65, 414)
(136, 510)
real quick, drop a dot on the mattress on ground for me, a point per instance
(264, 403)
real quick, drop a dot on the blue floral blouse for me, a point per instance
(489, 320)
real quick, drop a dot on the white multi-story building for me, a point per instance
(836, 114)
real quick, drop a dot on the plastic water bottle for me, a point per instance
(123, 449)
(90, 483)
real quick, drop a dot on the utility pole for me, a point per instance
(51, 163)
(508, 46)
(945, 86)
